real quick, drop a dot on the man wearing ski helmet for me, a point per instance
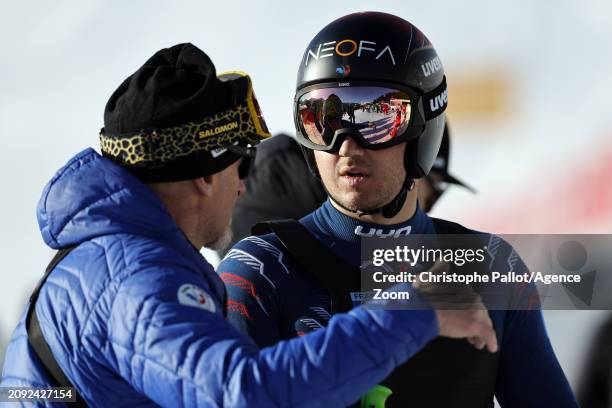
(290, 282)
(129, 313)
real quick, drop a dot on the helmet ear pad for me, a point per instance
(310, 161)
(421, 152)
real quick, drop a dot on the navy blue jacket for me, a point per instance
(271, 301)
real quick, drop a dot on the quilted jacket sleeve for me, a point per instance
(177, 353)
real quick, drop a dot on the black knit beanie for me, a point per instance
(175, 89)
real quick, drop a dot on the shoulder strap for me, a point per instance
(335, 275)
(332, 273)
(37, 340)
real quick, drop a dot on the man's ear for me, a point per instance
(205, 185)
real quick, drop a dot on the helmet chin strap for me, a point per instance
(389, 210)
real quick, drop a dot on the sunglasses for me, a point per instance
(248, 154)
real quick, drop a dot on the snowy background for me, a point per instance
(529, 107)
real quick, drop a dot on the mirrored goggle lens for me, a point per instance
(379, 114)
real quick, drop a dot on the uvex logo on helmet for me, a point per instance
(439, 101)
(431, 67)
(348, 47)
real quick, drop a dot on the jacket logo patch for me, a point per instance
(192, 295)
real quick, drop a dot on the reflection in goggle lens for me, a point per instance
(379, 114)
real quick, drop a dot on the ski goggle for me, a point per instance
(242, 124)
(376, 115)
(255, 114)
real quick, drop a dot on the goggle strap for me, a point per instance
(435, 101)
(153, 147)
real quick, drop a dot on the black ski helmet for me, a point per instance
(383, 48)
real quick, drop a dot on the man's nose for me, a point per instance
(350, 147)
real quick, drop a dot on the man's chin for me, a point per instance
(356, 201)
(222, 242)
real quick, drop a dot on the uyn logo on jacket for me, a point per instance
(380, 233)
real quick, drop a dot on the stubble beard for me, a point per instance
(368, 198)
(223, 241)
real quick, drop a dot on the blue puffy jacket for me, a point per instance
(134, 314)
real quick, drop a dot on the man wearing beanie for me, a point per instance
(130, 314)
